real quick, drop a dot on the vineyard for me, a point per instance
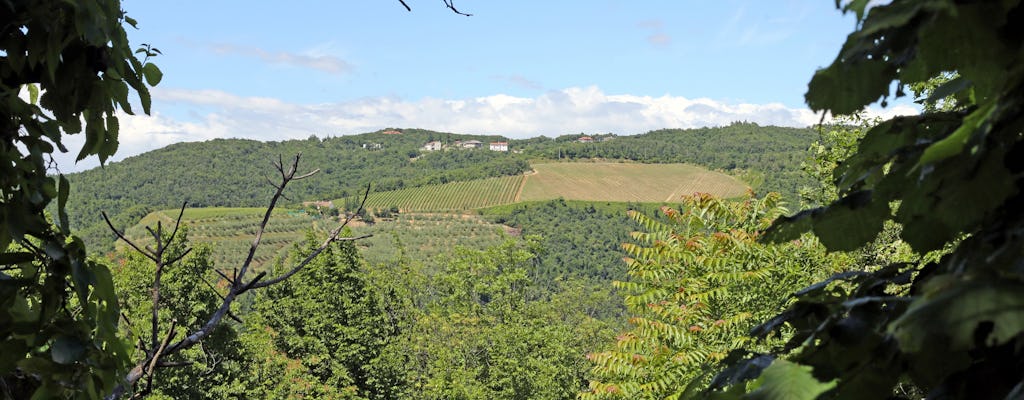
(451, 196)
(422, 237)
(230, 232)
(648, 183)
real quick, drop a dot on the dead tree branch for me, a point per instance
(449, 4)
(237, 282)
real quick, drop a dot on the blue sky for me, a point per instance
(284, 70)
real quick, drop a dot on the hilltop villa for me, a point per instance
(499, 146)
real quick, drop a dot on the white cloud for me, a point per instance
(658, 37)
(314, 60)
(553, 113)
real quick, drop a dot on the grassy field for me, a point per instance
(420, 237)
(647, 183)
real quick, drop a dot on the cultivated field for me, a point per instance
(452, 196)
(231, 231)
(653, 183)
(420, 237)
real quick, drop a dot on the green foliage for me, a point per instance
(951, 178)
(187, 296)
(329, 319)
(478, 328)
(57, 309)
(580, 240)
(697, 284)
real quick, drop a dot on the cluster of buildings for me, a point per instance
(468, 144)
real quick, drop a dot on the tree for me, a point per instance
(329, 319)
(67, 68)
(187, 295)
(163, 342)
(949, 325)
(698, 283)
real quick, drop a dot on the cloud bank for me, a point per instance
(217, 114)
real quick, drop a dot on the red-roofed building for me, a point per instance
(585, 139)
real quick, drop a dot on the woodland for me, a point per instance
(872, 259)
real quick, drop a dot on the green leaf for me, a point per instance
(851, 222)
(784, 380)
(152, 73)
(66, 349)
(33, 93)
(785, 229)
(954, 143)
(63, 189)
(846, 88)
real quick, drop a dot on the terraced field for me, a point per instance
(647, 183)
(452, 196)
(230, 230)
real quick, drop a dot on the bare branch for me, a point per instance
(222, 275)
(166, 364)
(179, 257)
(177, 224)
(330, 238)
(451, 5)
(447, 3)
(123, 238)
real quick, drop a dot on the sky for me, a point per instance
(523, 68)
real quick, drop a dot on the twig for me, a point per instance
(406, 5)
(451, 5)
(323, 246)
